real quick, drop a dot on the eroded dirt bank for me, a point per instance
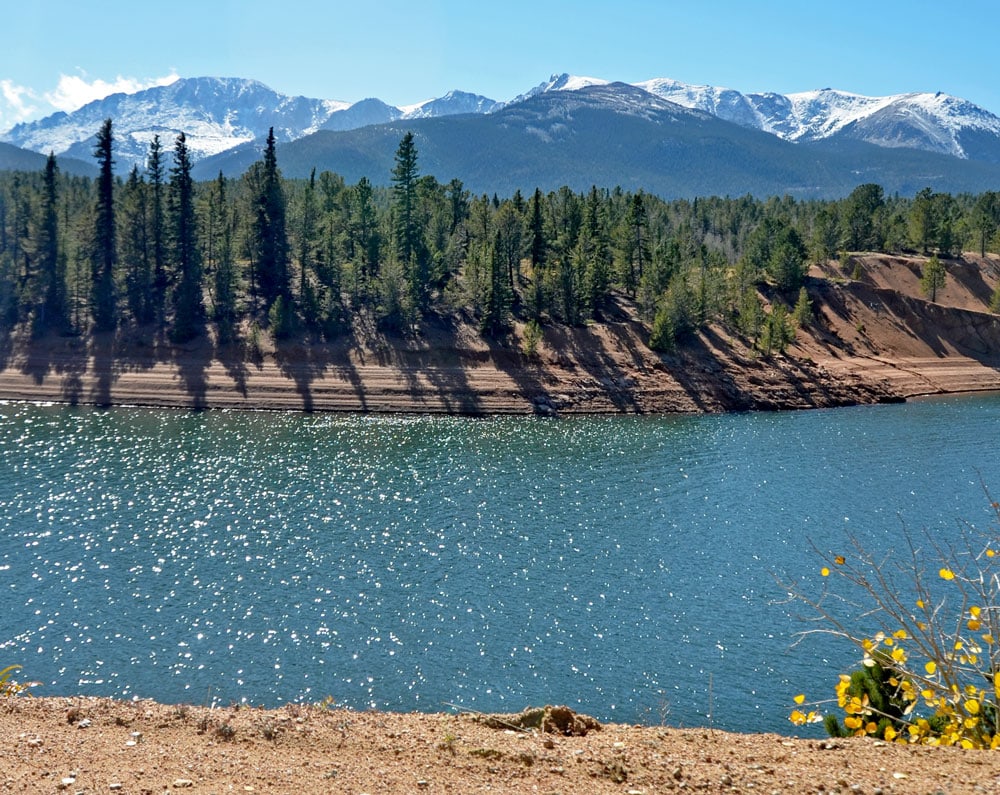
(876, 339)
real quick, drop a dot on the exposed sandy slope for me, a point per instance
(879, 339)
(150, 748)
(883, 329)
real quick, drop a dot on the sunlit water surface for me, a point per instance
(623, 566)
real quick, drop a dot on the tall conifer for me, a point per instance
(104, 253)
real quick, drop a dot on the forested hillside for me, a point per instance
(237, 258)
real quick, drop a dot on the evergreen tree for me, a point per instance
(224, 281)
(104, 252)
(496, 314)
(860, 217)
(269, 229)
(185, 252)
(933, 278)
(135, 248)
(365, 241)
(802, 314)
(537, 245)
(307, 252)
(51, 258)
(157, 228)
(404, 191)
(922, 222)
(986, 218)
(634, 244)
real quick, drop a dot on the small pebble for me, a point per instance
(180, 783)
(84, 724)
(114, 786)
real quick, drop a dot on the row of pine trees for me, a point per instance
(303, 258)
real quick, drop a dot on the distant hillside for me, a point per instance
(13, 158)
(615, 135)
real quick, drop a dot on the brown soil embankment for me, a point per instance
(876, 339)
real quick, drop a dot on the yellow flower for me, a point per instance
(899, 655)
(890, 734)
(853, 722)
(839, 560)
(974, 625)
(946, 574)
(972, 707)
(900, 634)
(930, 667)
(825, 571)
(800, 698)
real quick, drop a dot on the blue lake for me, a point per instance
(622, 565)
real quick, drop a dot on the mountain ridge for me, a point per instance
(895, 140)
(219, 113)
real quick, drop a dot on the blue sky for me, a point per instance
(58, 54)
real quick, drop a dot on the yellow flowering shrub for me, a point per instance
(8, 687)
(930, 672)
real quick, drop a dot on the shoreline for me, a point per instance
(83, 744)
(484, 388)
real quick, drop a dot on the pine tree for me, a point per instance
(51, 258)
(635, 244)
(933, 278)
(157, 228)
(410, 251)
(135, 248)
(363, 235)
(496, 311)
(224, 273)
(307, 247)
(104, 252)
(270, 232)
(404, 182)
(189, 308)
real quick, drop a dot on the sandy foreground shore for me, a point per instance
(103, 746)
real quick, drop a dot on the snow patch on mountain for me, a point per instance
(561, 82)
(935, 122)
(218, 114)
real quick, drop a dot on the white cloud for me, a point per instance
(16, 104)
(75, 91)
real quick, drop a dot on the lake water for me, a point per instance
(622, 565)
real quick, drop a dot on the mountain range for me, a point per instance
(659, 135)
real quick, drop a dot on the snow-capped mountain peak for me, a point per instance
(560, 82)
(931, 121)
(218, 114)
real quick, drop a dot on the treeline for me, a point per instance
(302, 258)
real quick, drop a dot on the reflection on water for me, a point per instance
(624, 566)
